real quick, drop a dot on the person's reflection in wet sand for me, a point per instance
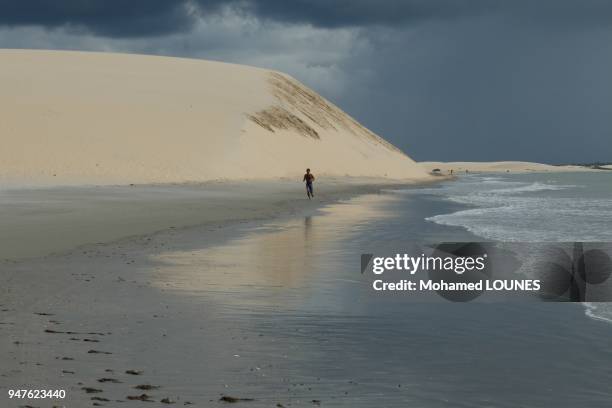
(307, 227)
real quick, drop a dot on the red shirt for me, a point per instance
(308, 177)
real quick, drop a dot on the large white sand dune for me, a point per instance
(77, 117)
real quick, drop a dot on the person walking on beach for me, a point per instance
(309, 178)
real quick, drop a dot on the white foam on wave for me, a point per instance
(599, 311)
(532, 219)
(511, 211)
(532, 225)
(533, 187)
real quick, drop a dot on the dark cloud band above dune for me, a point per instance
(154, 17)
(342, 13)
(116, 18)
(105, 17)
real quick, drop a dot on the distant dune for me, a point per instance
(498, 167)
(77, 117)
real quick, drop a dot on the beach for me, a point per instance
(82, 300)
(38, 221)
(158, 247)
(109, 158)
(273, 310)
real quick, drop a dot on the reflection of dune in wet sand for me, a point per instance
(281, 256)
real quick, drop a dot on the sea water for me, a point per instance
(533, 207)
(318, 331)
(558, 207)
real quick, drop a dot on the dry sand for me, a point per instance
(101, 118)
(498, 167)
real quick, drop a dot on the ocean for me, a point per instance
(533, 207)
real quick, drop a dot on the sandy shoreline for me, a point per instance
(79, 320)
(500, 167)
(39, 221)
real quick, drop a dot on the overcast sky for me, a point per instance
(441, 79)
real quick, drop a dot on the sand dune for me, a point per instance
(76, 117)
(498, 167)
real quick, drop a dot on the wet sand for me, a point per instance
(38, 221)
(80, 306)
(158, 305)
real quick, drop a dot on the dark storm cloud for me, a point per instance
(117, 18)
(153, 17)
(342, 13)
(105, 17)
(355, 13)
(484, 89)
